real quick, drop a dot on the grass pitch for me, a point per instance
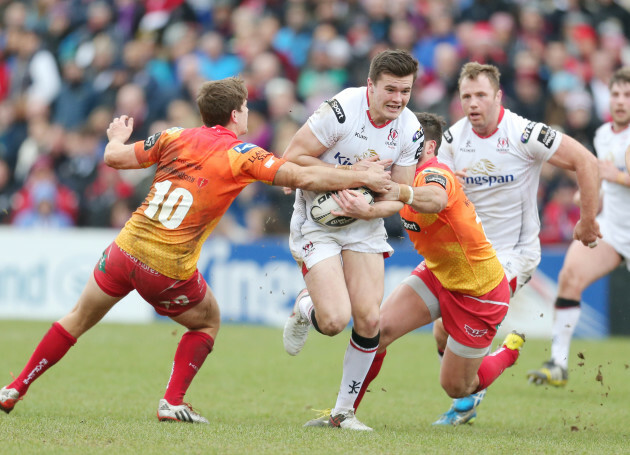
(102, 398)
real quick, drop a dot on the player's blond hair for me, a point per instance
(621, 75)
(472, 70)
(217, 99)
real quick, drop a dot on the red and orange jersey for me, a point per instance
(452, 242)
(200, 171)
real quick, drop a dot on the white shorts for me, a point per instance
(519, 266)
(616, 238)
(311, 243)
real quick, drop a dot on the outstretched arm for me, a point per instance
(574, 156)
(118, 154)
(320, 178)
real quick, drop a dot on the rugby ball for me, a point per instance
(323, 204)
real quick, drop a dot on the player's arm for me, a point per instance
(574, 156)
(430, 198)
(304, 149)
(118, 154)
(320, 178)
(628, 159)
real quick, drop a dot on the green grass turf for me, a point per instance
(103, 396)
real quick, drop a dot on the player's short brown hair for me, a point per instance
(621, 75)
(433, 126)
(472, 70)
(399, 63)
(217, 99)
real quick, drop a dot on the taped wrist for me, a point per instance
(405, 194)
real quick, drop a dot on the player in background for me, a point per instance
(583, 266)
(343, 267)
(460, 278)
(498, 155)
(200, 171)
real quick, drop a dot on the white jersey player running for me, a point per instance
(343, 267)
(583, 266)
(498, 156)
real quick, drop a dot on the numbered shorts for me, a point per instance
(118, 273)
(471, 322)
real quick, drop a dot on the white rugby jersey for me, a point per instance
(614, 218)
(503, 171)
(344, 126)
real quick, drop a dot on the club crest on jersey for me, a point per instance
(477, 333)
(201, 182)
(546, 136)
(448, 137)
(336, 107)
(527, 132)
(503, 145)
(150, 142)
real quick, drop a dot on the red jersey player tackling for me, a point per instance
(200, 171)
(460, 280)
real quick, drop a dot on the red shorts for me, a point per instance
(118, 273)
(471, 321)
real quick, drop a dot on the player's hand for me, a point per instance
(607, 170)
(393, 194)
(371, 162)
(587, 232)
(120, 129)
(461, 175)
(352, 204)
(378, 180)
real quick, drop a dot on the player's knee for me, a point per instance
(570, 280)
(367, 324)
(455, 387)
(333, 325)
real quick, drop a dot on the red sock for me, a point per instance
(49, 351)
(494, 364)
(191, 352)
(372, 373)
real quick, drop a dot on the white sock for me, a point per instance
(356, 364)
(564, 324)
(306, 307)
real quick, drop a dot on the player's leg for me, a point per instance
(324, 304)
(467, 372)
(410, 306)
(364, 275)
(582, 267)
(202, 320)
(92, 305)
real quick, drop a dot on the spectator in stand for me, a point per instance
(65, 201)
(7, 188)
(560, 215)
(43, 213)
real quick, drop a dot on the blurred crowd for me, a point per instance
(67, 67)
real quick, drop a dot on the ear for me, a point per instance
(370, 85)
(499, 95)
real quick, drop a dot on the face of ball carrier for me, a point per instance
(323, 204)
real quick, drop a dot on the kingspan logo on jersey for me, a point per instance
(487, 174)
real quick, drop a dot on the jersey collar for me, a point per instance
(370, 117)
(501, 113)
(222, 130)
(432, 162)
